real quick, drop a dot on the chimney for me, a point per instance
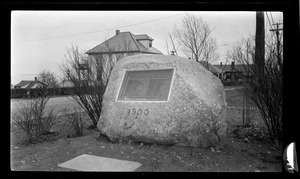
(232, 65)
(221, 64)
(35, 78)
(117, 32)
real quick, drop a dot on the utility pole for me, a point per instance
(260, 44)
(278, 43)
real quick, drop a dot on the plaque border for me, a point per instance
(171, 85)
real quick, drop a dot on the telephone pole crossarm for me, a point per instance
(278, 42)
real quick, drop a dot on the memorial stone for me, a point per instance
(163, 99)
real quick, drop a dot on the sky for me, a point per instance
(39, 39)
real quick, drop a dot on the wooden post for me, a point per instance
(259, 61)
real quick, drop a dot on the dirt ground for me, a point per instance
(243, 150)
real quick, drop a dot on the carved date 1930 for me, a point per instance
(138, 112)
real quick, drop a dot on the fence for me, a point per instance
(36, 92)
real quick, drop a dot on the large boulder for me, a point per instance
(193, 115)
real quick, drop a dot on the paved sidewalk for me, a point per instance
(86, 162)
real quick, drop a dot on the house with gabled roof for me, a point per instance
(121, 45)
(29, 84)
(125, 44)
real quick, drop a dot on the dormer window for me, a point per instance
(150, 45)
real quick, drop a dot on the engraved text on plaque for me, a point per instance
(146, 85)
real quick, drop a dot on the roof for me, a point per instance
(154, 50)
(65, 83)
(122, 43)
(23, 83)
(214, 69)
(143, 37)
(28, 83)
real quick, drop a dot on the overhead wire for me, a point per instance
(84, 33)
(269, 21)
(272, 18)
(271, 27)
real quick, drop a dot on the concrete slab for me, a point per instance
(95, 163)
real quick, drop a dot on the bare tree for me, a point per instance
(194, 35)
(48, 78)
(210, 51)
(243, 53)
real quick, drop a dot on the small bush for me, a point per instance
(31, 118)
(75, 118)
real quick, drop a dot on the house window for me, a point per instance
(83, 74)
(150, 44)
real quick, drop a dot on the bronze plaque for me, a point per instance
(146, 85)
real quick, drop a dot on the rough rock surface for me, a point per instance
(193, 116)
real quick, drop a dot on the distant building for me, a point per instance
(234, 72)
(228, 73)
(29, 84)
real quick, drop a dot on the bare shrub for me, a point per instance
(267, 95)
(86, 76)
(31, 118)
(75, 119)
(89, 76)
(264, 89)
